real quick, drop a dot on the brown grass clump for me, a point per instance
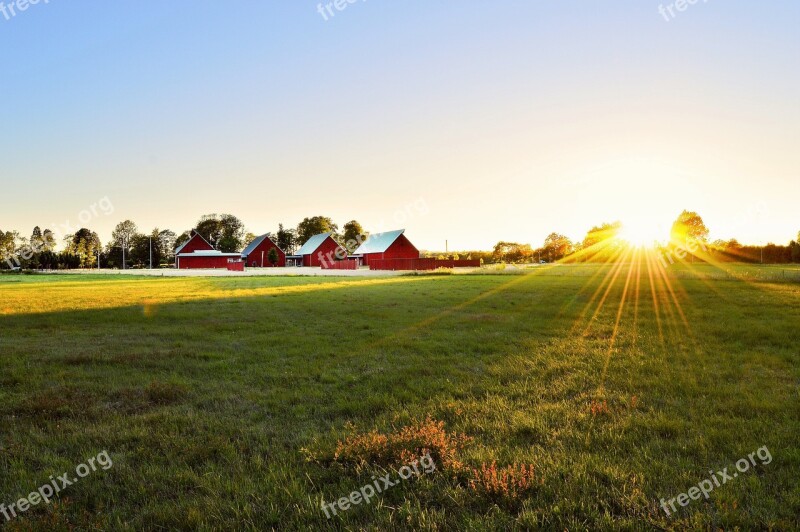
(404, 446)
(57, 403)
(509, 482)
(598, 408)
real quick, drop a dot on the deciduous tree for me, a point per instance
(689, 226)
(225, 232)
(314, 226)
(353, 235)
(556, 247)
(286, 239)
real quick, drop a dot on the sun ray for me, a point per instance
(609, 273)
(610, 285)
(615, 330)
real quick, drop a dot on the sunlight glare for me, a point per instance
(643, 232)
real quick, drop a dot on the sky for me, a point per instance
(463, 122)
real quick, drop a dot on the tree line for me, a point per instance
(131, 248)
(602, 243)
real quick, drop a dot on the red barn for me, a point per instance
(206, 260)
(195, 243)
(197, 253)
(321, 248)
(388, 245)
(256, 254)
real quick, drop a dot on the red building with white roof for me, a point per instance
(321, 248)
(197, 253)
(388, 245)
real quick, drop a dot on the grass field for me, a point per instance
(222, 401)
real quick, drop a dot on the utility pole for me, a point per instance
(124, 245)
(151, 252)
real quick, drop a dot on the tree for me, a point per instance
(166, 243)
(36, 237)
(210, 228)
(85, 245)
(8, 249)
(224, 232)
(273, 257)
(794, 249)
(556, 247)
(48, 241)
(689, 226)
(512, 252)
(688, 234)
(142, 246)
(314, 226)
(122, 235)
(601, 233)
(286, 239)
(233, 233)
(353, 235)
(40, 243)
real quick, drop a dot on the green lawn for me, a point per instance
(221, 401)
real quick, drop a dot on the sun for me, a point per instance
(642, 232)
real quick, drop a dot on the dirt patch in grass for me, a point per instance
(56, 403)
(140, 399)
(10, 380)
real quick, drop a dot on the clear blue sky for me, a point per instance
(508, 119)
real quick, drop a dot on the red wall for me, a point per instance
(329, 245)
(194, 263)
(196, 243)
(402, 248)
(254, 259)
(421, 264)
(347, 264)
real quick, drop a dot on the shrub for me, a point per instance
(403, 446)
(508, 483)
(598, 408)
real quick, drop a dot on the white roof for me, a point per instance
(379, 242)
(208, 253)
(313, 243)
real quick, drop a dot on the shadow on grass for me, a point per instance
(206, 405)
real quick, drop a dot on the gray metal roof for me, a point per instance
(255, 243)
(379, 242)
(313, 243)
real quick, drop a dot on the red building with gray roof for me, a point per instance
(388, 245)
(319, 248)
(256, 254)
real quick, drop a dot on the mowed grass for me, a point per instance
(221, 401)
